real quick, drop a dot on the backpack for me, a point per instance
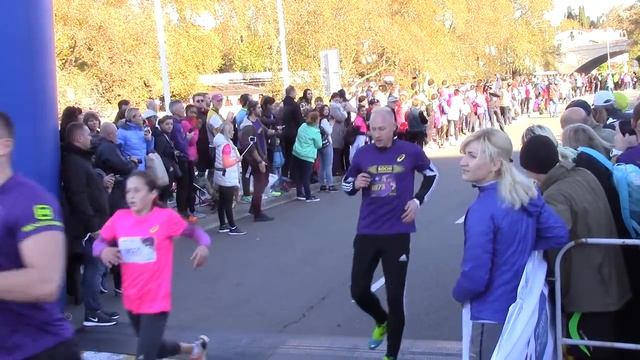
(350, 135)
(626, 178)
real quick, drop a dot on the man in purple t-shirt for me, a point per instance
(32, 262)
(385, 172)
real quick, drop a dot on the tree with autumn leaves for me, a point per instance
(107, 49)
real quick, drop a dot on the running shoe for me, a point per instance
(236, 231)
(224, 228)
(388, 358)
(312, 199)
(118, 291)
(103, 290)
(200, 348)
(275, 194)
(112, 314)
(98, 319)
(377, 337)
(300, 198)
(245, 199)
(333, 188)
(323, 188)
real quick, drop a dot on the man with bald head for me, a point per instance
(576, 114)
(110, 159)
(385, 172)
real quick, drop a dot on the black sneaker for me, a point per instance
(118, 291)
(98, 319)
(300, 198)
(103, 290)
(333, 189)
(112, 314)
(262, 218)
(224, 228)
(323, 188)
(312, 199)
(236, 231)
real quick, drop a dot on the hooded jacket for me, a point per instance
(307, 143)
(498, 242)
(594, 277)
(131, 137)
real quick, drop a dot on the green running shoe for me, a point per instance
(377, 337)
(388, 358)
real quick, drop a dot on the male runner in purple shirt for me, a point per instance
(32, 263)
(385, 172)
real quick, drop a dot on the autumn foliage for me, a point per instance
(107, 49)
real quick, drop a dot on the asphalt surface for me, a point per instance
(282, 290)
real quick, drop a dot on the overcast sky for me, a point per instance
(593, 8)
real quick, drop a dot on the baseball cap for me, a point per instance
(392, 98)
(603, 98)
(148, 113)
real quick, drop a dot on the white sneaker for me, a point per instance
(200, 348)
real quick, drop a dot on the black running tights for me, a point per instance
(149, 329)
(393, 251)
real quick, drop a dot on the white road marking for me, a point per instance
(376, 285)
(461, 220)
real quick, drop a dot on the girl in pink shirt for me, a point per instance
(140, 239)
(191, 128)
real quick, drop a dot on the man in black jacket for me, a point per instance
(86, 211)
(110, 160)
(291, 119)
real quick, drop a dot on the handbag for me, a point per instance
(156, 169)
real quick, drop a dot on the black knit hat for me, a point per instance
(582, 104)
(539, 155)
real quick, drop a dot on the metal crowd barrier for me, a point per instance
(560, 339)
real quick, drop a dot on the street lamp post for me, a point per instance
(608, 56)
(163, 53)
(286, 77)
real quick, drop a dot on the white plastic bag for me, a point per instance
(528, 331)
(155, 168)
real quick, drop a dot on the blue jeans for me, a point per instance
(326, 163)
(91, 279)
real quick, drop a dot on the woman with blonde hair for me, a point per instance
(503, 226)
(580, 135)
(565, 153)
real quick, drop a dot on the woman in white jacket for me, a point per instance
(227, 178)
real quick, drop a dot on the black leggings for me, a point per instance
(302, 170)
(393, 251)
(185, 195)
(225, 205)
(149, 329)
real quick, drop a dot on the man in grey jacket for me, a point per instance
(594, 278)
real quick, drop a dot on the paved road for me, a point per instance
(282, 291)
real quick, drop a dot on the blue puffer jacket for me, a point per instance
(131, 136)
(498, 243)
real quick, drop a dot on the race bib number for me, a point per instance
(383, 185)
(137, 250)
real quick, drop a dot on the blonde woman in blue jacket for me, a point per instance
(503, 226)
(305, 152)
